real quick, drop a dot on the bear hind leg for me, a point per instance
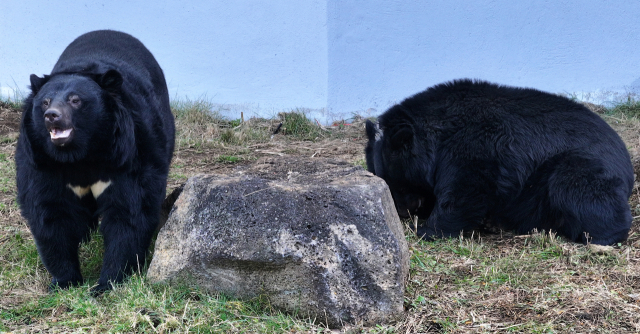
(593, 206)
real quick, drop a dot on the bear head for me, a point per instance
(393, 154)
(73, 117)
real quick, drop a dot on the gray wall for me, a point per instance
(338, 57)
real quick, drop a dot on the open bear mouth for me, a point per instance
(60, 137)
(57, 133)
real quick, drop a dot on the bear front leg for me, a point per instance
(128, 225)
(126, 243)
(57, 236)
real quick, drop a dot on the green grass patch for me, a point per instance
(91, 253)
(195, 111)
(200, 125)
(197, 123)
(7, 174)
(296, 125)
(362, 163)
(177, 176)
(630, 108)
(141, 307)
(235, 122)
(12, 103)
(134, 306)
(228, 159)
(228, 136)
(19, 261)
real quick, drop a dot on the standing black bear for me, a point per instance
(96, 139)
(467, 150)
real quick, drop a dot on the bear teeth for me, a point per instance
(57, 133)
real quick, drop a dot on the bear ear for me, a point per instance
(372, 130)
(369, 151)
(111, 81)
(37, 82)
(402, 138)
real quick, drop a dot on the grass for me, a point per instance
(10, 103)
(145, 308)
(229, 159)
(14, 101)
(7, 183)
(630, 108)
(534, 283)
(297, 125)
(480, 282)
(7, 174)
(199, 124)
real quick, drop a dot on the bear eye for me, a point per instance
(75, 101)
(45, 103)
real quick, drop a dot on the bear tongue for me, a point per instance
(57, 133)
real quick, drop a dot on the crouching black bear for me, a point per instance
(96, 140)
(465, 151)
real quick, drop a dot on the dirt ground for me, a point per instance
(9, 216)
(9, 121)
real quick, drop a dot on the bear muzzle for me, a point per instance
(59, 126)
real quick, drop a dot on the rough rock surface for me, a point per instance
(318, 238)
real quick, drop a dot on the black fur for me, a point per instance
(464, 151)
(108, 88)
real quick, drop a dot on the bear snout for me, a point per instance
(52, 115)
(59, 126)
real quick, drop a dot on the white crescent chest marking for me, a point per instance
(96, 189)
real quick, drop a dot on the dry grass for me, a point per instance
(482, 282)
(525, 284)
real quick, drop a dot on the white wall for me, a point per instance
(262, 56)
(341, 56)
(382, 51)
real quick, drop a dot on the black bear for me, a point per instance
(96, 140)
(465, 151)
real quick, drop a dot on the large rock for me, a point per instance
(318, 238)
